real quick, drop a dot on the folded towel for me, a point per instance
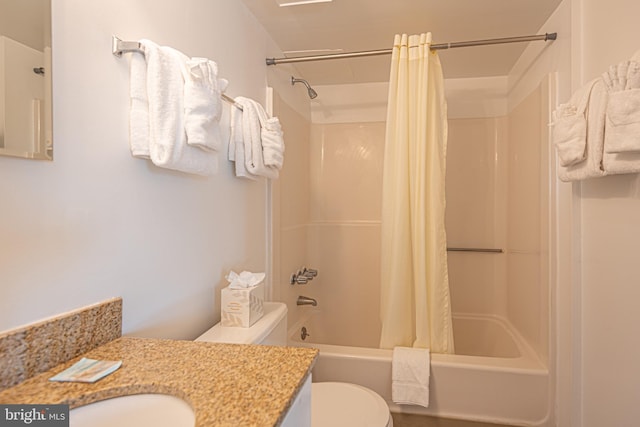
(623, 122)
(570, 135)
(139, 105)
(272, 139)
(623, 109)
(615, 78)
(622, 140)
(165, 90)
(591, 167)
(251, 133)
(410, 376)
(570, 127)
(236, 145)
(202, 103)
(619, 163)
(273, 143)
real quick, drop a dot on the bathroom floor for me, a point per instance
(410, 420)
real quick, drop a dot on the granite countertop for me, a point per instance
(225, 384)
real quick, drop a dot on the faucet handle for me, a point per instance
(299, 279)
(309, 272)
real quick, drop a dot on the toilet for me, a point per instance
(333, 404)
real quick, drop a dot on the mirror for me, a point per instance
(25, 79)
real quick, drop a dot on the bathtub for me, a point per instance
(495, 377)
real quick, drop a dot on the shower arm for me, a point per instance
(312, 93)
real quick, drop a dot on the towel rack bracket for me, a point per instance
(118, 47)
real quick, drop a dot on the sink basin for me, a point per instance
(138, 410)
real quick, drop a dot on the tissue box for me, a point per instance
(242, 307)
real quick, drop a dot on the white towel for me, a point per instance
(623, 122)
(273, 143)
(591, 167)
(139, 106)
(236, 144)
(251, 130)
(272, 139)
(165, 91)
(622, 135)
(570, 135)
(569, 131)
(410, 376)
(623, 109)
(202, 103)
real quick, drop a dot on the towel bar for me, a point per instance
(118, 47)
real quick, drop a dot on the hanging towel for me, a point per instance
(570, 127)
(622, 140)
(272, 139)
(623, 109)
(202, 103)
(165, 91)
(139, 105)
(251, 134)
(236, 145)
(410, 376)
(591, 166)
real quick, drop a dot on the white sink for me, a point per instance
(138, 410)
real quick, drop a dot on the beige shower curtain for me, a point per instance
(415, 306)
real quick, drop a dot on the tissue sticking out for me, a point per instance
(244, 280)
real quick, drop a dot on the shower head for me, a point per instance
(312, 93)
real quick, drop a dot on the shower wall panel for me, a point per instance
(290, 207)
(528, 289)
(476, 214)
(344, 240)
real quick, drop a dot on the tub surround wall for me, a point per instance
(527, 224)
(476, 214)
(29, 350)
(344, 240)
(495, 181)
(290, 209)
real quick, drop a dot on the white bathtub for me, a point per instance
(495, 377)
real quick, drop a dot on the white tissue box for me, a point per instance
(242, 307)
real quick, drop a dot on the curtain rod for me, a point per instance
(441, 46)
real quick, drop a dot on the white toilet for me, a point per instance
(332, 404)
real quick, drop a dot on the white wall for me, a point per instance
(610, 208)
(96, 222)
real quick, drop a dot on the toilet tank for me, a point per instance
(271, 329)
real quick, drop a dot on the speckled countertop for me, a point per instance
(225, 384)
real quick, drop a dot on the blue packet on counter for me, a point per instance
(87, 370)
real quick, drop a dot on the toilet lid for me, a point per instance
(347, 405)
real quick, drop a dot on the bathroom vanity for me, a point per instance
(225, 384)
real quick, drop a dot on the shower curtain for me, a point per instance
(415, 305)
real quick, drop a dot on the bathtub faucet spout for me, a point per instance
(306, 301)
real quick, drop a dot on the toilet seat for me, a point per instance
(347, 405)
